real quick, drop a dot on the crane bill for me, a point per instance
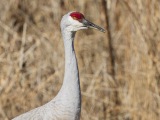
(92, 25)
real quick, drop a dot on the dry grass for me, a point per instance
(32, 57)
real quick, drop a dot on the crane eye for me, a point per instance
(75, 18)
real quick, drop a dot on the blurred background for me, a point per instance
(119, 69)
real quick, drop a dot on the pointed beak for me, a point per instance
(92, 25)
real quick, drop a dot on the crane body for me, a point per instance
(67, 104)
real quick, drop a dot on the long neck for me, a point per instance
(70, 90)
(71, 76)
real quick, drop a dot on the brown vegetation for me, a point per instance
(119, 70)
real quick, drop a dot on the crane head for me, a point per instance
(74, 21)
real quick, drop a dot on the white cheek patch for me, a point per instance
(75, 25)
(74, 22)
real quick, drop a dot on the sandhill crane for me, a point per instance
(67, 104)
